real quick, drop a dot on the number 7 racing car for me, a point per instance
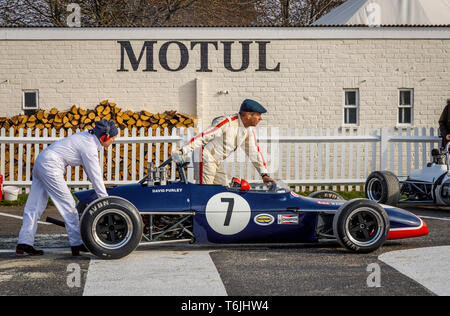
(156, 211)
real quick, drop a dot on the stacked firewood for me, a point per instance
(63, 123)
(78, 118)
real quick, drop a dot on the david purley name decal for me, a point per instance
(149, 50)
(235, 306)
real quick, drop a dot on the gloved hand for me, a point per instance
(266, 179)
(177, 156)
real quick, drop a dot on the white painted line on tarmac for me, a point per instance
(21, 218)
(155, 273)
(428, 266)
(46, 250)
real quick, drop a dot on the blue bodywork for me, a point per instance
(272, 217)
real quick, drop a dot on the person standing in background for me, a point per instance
(444, 124)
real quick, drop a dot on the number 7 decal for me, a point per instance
(230, 202)
(227, 213)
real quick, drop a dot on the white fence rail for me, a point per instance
(299, 157)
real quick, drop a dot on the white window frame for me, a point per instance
(23, 99)
(355, 106)
(411, 106)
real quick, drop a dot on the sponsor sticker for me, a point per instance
(286, 219)
(264, 219)
(294, 195)
(328, 203)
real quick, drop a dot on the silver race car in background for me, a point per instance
(430, 184)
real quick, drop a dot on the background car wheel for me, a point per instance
(383, 187)
(326, 195)
(111, 227)
(361, 225)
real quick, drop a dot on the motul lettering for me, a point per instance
(230, 48)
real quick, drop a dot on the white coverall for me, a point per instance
(48, 181)
(217, 142)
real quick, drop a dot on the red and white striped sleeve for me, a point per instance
(206, 136)
(254, 153)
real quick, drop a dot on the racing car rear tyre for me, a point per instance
(325, 194)
(383, 187)
(111, 227)
(361, 225)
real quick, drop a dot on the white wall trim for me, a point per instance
(223, 33)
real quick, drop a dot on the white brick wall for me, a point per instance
(306, 92)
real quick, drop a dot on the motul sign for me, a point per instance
(148, 50)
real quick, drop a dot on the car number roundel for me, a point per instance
(227, 213)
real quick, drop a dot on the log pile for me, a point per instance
(63, 123)
(78, 118)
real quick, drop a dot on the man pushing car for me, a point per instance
(225, 135)
(80, 149)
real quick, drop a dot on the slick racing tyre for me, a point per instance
(111, 227)
(325, 194)
(383, 187)
(361, 225)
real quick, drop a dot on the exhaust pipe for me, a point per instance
(55, 222)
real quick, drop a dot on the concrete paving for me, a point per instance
(156, 273)
(427, 266)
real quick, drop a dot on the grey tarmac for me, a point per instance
(249, 270)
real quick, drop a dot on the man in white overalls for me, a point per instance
(222, 138)
(80, 149)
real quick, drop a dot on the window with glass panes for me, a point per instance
(351, 106)
(405, 106)
(30, 100)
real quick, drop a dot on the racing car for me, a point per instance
(157, 210)
(430, 184)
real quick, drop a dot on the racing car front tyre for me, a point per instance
(111, 227)
(361, 225)
(383, 187)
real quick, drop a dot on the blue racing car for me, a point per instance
(156, 210)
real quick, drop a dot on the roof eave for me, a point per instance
(223, 33)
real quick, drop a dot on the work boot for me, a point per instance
(77, 249)
(27, 250)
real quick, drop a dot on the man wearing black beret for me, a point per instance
(80, 149)
(225, 135)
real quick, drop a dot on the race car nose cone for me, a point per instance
(409, 232)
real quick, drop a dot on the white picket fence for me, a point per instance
(299, 157)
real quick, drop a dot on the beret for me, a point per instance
(252, 106)
(101, 128)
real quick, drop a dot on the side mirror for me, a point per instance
(245, 186)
